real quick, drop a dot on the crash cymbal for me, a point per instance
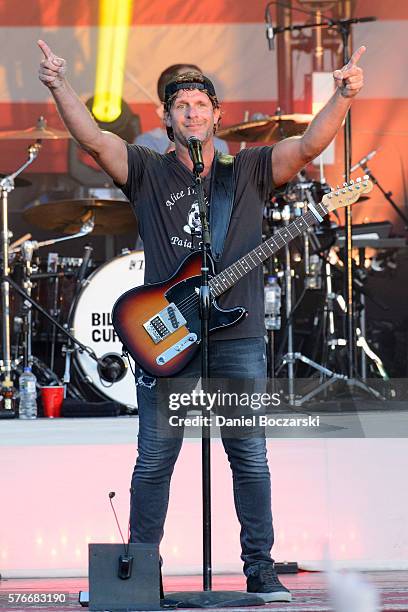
(269, 129)
(68, 216)
(18, 182)
(39, 132)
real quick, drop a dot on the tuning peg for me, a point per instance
(351, 182)
(344, 184)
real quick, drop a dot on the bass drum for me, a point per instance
(92, 323)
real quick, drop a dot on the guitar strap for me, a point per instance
(221, 201)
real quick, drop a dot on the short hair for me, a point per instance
(170, 72)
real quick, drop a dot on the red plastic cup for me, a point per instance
(52, 398)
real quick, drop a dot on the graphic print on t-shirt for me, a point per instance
(193, 225)
(183, 207)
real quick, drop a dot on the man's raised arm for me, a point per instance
(292, 154)
(106, 148)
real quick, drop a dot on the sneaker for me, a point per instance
(265, 583)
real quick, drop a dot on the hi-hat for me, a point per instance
(269, 129)
(39, 132)
(68, 216)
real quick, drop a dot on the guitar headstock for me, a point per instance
(348, 194)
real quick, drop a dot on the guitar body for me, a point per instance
(159, 324)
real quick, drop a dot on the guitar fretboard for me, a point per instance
(231, 275)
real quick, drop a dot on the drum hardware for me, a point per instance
(112, 368)
(269, 129)
(13, 246)
(40, 131)
(298, 197)
(91, 323)
(110, 217)
(26, 249)
(6, 187)
(70, 348)
(82, 348)
(18, 182)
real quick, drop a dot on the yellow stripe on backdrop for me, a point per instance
(114, 22)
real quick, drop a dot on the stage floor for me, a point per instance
(308, 590)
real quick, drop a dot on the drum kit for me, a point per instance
(65, 301)
(60, 301)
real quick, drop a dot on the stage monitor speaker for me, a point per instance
(109, 591)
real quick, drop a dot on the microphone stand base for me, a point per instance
(211, 599)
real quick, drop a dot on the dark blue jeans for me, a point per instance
(157, 454)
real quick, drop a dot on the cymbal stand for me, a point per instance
(27, 251)
(291, 357)
(6, 187)
(28, 247)
(288, 311)
(387, 195)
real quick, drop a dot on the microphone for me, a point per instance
(269, 29)
(364, 160)
(126, 560)
(196, 154)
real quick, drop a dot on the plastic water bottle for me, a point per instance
(28, 395)
(273, 295)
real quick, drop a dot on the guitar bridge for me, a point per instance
(164, 323)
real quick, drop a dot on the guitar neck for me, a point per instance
(231, 275)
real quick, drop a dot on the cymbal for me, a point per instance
(270, 129)
(68, 216)
(40, 131)
(35, 133)
(18, 182)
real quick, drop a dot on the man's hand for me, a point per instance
(52, 68)
(350, 78)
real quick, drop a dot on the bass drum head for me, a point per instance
(92, 322)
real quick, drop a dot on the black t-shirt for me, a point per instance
(161, 190)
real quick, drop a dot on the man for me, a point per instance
(160, 189)
(157, 139)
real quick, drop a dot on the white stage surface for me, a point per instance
(348, 496)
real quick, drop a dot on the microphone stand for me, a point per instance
(344, 28)
(205, 309)
(387, 195)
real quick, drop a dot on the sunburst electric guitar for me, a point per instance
(159, 324)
